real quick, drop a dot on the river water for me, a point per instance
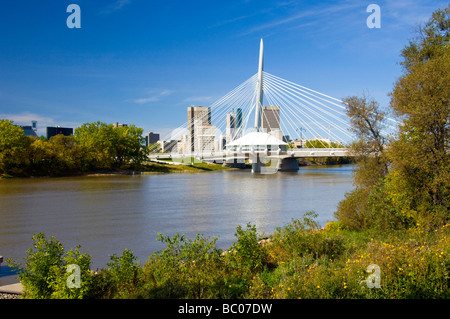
(106, 214)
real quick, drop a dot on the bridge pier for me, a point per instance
(257, 164)
(289, 164)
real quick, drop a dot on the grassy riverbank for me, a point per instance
(144, 168)
(150, 167)
(299, 260)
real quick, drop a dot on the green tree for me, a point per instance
(68, 152)
(359, 210)
(109, 147)
(408, 181)
(431, 41)
(321, 144)
(366, 119)
(97, 141)
(420, 175)
(129, 149)
(14, 148)
(45, 273)
(43, 160)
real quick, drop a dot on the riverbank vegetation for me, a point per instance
(404, 179)
(94, 147)
(151, 167)
(396, 218)
(300, 260)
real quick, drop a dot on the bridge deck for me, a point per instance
(293, 153)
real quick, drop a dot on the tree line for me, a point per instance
(93, 147)
(404, 179)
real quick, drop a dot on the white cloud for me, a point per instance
(319, 14)
(117, 5)
(154, 96)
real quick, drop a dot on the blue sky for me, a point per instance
(143, 62)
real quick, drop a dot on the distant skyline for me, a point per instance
(144, 62)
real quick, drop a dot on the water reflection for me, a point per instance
(106, 214)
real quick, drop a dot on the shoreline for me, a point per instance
(161, 168)
(335, 266)
(149, 168)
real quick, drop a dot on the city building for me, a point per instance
(277, 133)
(30, 130)
(205, 137)
(270, 118)
(221, 143)
(116, 124)
(198, 124)
(234, 128)
(52, 131)
(151, 138)
(182, 143)
(299, 143)
(168, 146)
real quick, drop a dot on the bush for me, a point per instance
(246, 251)
(352, 209)
(59, 282)
(45, 274)
(121, 280)
(184, 269)
(303, 238)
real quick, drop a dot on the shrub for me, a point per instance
(351, 210)
(125, 274)
(184, 269)
(302, 238)
(59, 282)
(246, 251)
(45, 274)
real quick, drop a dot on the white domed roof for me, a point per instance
(257, 138)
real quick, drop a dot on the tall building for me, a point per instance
(270, 118)
(197, 117)
(30, 130)
(220, 143)
(168, 146)
(182, 142)
(234, 129)
(151, 138)
(205, 137)
(52, 131)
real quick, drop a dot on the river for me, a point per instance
(106, 214)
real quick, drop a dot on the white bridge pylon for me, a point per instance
(290, 121)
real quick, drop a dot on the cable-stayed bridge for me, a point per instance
(266, 120)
